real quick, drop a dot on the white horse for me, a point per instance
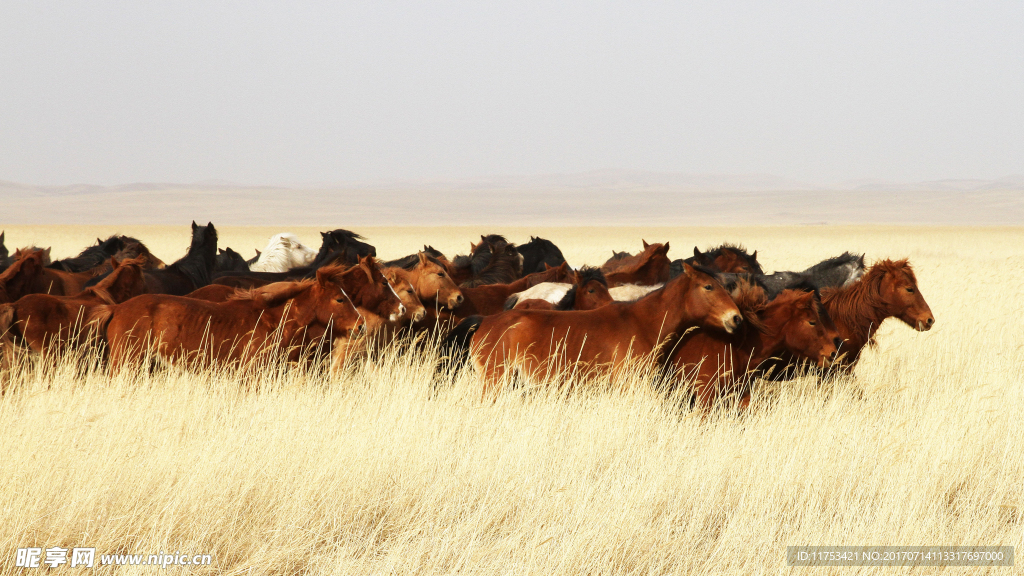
(554, 292)
(284, 252)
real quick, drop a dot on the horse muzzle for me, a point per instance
(925, 324)
(731, 321)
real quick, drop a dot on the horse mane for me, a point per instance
(505, 266)
(95, 255)
(583, 275)
(751, 299)
(588, 273)
(713, 253)
(836, 261)
(863, 299)
(272, 295)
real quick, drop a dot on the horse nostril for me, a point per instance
(401, 309)
(931, 321)
(837, 341)
(458, 299)
(737, 320)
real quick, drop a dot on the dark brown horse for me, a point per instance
(490, 299)
(42, 321)
(294, 317)
(730, 258)
(646, 268)
(504, 266)
(607, 338)
(722, 364)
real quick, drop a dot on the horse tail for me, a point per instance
(99, 316)
(455, 346)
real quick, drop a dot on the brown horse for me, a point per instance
(490, 299)
(590, 291)
(607, 338)
(646, 268)
(29, 275)
(414, 308)
(887, 290)
(42, 321)
(433, 283)
(294, 317)
(720, 364)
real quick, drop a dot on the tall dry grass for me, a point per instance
(379, 471)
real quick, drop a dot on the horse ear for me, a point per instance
(114, 262)
(687, 269)
(46, 254)
(666, 247)
(194, 225)
(645, 243)
(423, 258)
(220, 250)
(547, 266)
(577, 277)
(754, 255)
(321, 277)
(696, 252)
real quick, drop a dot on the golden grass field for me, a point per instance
(373, 473)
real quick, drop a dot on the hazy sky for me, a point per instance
(289, 92)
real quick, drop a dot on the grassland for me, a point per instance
(374, 472)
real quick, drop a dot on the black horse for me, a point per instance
(5, 259)
(538, 252)
(228, 259)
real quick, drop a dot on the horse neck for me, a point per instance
(856, 311)
(666, 308)
(768, 342)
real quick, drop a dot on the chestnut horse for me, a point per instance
(433, 283)
(607, 338)
(649, 267)
(590, 291)
(718, 364)
(41, 321)
(490, 299)
(887, 290)
(295, 317)
(29, 274)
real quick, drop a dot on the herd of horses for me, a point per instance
(712, 322)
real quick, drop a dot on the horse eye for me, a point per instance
(591, 291)
(911, 290)
(441, 274)
(812, 322)
(709, 287)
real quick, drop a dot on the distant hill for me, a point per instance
(602, 197)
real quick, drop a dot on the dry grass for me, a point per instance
(376, 472)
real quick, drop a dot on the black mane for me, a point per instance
(94, 255)
(344, 243)
(708, 257)
(5, 260)
(409, 262)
